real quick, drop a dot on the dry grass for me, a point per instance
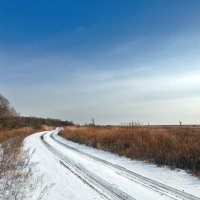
(16, 179)
(47, 128)
(177, 147)
(21, 132)
(14, 172)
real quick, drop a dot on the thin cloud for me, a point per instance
(123, 47)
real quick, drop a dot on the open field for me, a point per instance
(80, 172)
(173, 146)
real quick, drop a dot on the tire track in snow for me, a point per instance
(159, 187)
(100, 185)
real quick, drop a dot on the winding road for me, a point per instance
(109, 180)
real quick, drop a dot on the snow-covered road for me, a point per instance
(80, 172)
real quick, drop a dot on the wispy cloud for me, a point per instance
(114, 68)
(123, 47)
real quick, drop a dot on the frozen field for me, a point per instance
(80, 172)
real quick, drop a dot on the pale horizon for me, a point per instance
(114, 62)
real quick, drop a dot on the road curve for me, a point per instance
(134, 176)
(103, 187)
(91, 179)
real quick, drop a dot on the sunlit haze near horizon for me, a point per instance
(114, 61)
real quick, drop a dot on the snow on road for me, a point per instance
(80, 172)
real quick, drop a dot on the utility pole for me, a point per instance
(93, 122)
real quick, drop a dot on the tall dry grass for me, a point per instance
(177, 147)
(14, 172)
(16, 178)
(13, 133)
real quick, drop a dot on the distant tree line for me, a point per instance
(10, 119)
(34, 122)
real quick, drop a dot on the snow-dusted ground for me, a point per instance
(76, 175)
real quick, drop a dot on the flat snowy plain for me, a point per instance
(78, 172)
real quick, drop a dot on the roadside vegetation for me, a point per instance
(176, 147)
(14, 161)
(16, 122)
(16, 179)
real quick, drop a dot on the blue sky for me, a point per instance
(112, 60)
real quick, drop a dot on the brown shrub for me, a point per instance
(177, 147)
(16, 181)
(21, 132)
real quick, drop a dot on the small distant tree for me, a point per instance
(5, 109)
(93, 122)
(13, 112)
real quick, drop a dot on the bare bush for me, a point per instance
(14, 170)
(16, 178)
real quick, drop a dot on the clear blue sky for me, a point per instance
(112, 60)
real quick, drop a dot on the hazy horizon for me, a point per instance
(114, 61)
